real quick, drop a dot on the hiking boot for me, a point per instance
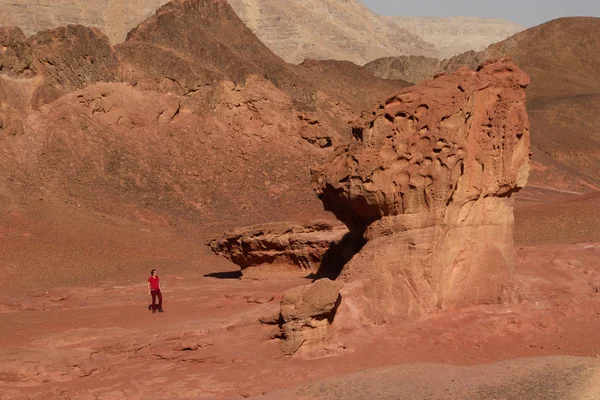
(160, 310)
(153, 311)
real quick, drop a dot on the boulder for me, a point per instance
(428, 182)
(307, 313)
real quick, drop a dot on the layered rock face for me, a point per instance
(295, 30)
(326, 29)
(318, 29)
(281, 247)
(428, 182)
(453, 36)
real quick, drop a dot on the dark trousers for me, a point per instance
(156, 293)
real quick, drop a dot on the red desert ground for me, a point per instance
(319, 232)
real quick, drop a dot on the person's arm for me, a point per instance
(149, 290)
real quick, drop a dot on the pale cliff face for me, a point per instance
(113, 17)
(453, 36)
(327, 29)
(294, 30)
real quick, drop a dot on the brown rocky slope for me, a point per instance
(157, 136)
(113, 17)
(559, 55)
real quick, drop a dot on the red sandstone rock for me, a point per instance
(66, 59)
(279, 247)
(307, 312)
(16, 57)
(428, 182)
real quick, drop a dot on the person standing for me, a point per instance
(154, 291)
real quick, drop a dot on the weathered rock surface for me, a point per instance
(164, 110)
(64, 59)
(456, 35)
(561, 58)
(408, 68)
(307, 313)
(16, 57)
(428, 182)
(280, 247)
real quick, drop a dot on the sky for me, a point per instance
(525, 12)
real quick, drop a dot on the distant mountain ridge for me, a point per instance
(456, 35)
(327, 29)
(294, 30)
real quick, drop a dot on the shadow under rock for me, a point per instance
(337, 256)
(225, 275)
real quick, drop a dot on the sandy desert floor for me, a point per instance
(101, 342)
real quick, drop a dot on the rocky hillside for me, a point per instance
(114, 17)
(171, 118)
(453, 36)
(159, 132)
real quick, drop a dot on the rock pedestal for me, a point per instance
(284, 248)
(428, 182)
(307, 313)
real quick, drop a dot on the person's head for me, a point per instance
(153, 272)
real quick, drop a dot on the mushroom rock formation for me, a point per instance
(428, 181)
